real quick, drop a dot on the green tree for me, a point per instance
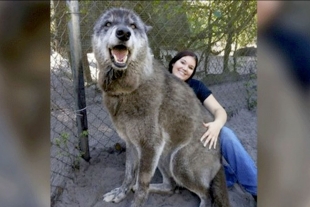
(224, 22)
(197, 25)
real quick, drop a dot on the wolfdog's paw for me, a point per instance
(115, 195)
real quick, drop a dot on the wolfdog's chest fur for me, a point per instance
(152, 105)
(128, 108)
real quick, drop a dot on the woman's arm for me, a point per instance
(213, 128)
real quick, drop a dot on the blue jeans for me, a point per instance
(241, 167)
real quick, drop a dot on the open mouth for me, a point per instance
(119, 56)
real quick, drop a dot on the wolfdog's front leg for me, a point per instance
(149, 157)
(120, 193)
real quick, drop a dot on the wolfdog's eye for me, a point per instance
(108, 24)
(133, 26)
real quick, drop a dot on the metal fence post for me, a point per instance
(78, 78)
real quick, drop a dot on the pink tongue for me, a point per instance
(119, 53)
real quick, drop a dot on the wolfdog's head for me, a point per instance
(120, 39)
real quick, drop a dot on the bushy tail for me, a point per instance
(218, 189)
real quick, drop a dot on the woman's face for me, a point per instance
(184, 67)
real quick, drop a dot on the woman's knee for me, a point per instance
(225, 129)
(227, 136)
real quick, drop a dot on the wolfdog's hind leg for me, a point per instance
(219, 190)
(205, 202)
(168, 185)
(203, 193)
(161, 188)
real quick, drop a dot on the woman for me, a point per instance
(240, 168)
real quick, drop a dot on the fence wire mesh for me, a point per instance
(223, 34)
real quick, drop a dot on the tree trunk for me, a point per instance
(60, 40)
(208, 50)
(227, 52)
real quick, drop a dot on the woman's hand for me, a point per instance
(211, 135)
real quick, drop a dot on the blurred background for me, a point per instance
(34, 34)
(24, 104)
(283, 103)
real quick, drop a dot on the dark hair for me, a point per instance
(181, 54)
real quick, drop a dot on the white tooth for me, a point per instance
(114, 57)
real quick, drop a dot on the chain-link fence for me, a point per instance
(223, 34)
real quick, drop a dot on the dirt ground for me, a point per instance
(106, 171)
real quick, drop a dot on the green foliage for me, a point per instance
(217, 14)
(198, 25)
(210, 27)
(84, 133)
(180, 25)
(64, 147)
(213, 20)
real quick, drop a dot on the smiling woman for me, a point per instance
(184, 67)
(186, 58)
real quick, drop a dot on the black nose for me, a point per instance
(123, 33)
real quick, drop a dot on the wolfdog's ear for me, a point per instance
(148, 28)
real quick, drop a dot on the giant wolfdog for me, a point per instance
(157, 115)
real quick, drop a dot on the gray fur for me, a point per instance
(157, 115)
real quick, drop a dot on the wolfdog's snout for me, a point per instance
(123, 33)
